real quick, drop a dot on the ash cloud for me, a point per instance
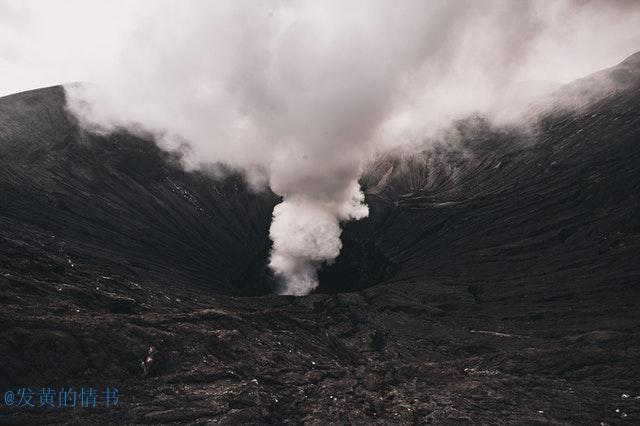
(300, 94)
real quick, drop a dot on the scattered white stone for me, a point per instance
(478, 372)
(624, 396)
(540, 412)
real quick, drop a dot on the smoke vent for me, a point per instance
(360, 265)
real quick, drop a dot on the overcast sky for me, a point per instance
(46, 42)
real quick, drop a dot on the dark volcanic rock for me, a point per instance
(123, 200)
(492, 284)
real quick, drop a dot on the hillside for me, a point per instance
(495, 281)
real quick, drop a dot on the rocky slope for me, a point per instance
(495, 282)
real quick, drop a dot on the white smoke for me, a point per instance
(299, 93)
(306, 233)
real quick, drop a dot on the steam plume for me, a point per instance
(298, 94)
